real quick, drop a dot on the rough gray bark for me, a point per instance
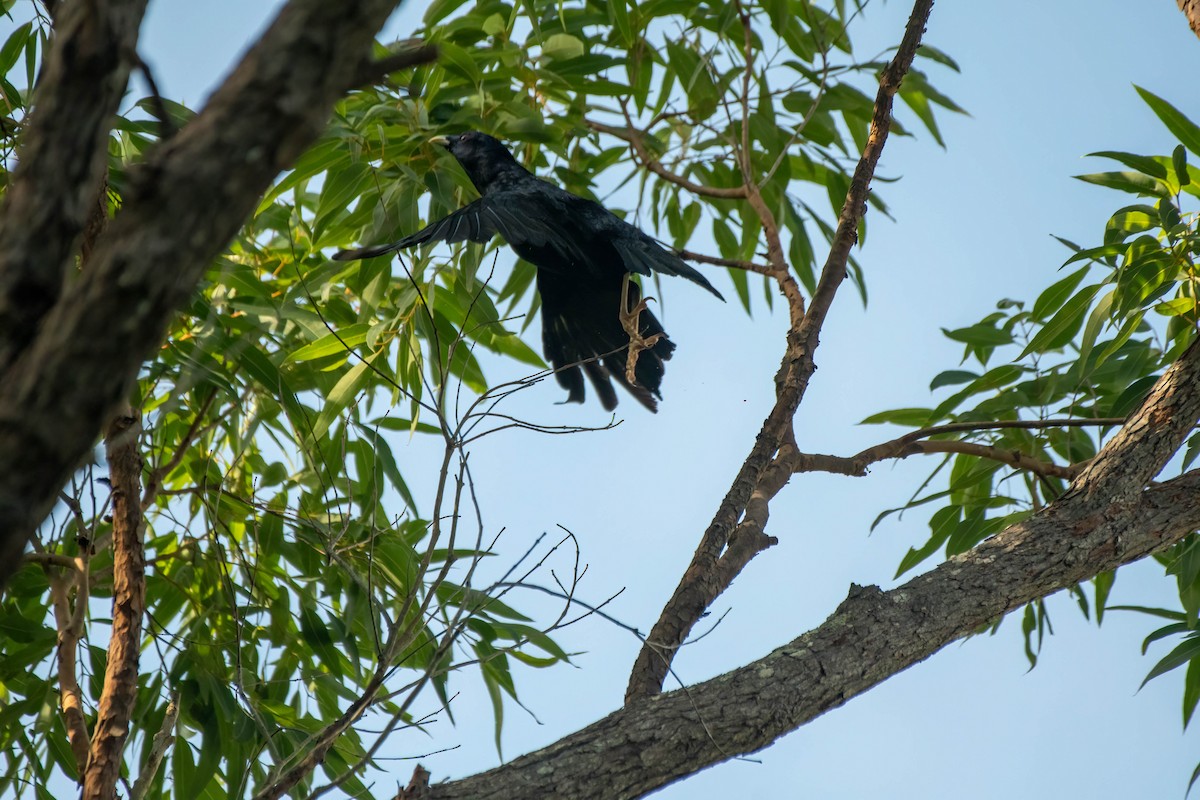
(182, 207)
(61, 165)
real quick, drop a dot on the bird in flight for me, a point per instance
(584, 256)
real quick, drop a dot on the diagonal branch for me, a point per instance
(181, 208)
(705, 579)
(62, 160)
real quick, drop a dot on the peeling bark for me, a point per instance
(117, 698)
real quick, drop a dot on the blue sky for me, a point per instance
(1045, 83)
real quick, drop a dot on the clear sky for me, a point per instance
(1045, 83)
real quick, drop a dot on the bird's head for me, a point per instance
(486, 161)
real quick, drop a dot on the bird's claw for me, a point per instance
(631, 322)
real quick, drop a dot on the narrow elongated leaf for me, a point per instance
(1178, 124)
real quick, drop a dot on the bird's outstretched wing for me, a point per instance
(476, 222)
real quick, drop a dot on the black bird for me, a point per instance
(584, 255)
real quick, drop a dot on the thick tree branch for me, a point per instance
(1151, 435)
(704, 579)
(62, 160)
(115, 708)
(872, 636)
(181, 208)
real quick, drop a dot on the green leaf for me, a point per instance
(342, 395)
(339, 343)
(1063, 325)
(1178, 124)
(13, 45)
(1179, 161)
(1103, 583)
(909, 417)
(1143, 164)
(952, 377)
(1129, 221)
(1176, 307)
(981, 335)
(1191, 691)
(1134, 182)
(1182, 654)
(562, 46)
(1052, 299)
(618, 15)
(941, 525)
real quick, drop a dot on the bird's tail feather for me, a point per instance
(582, 335)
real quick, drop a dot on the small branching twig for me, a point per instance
(913, 443)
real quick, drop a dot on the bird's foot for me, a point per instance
(631, 322)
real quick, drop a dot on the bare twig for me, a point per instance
(911, 444)
(748, 266)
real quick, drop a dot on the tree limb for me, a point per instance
(62, 160)
(910, 444)
(117, 698)
(704, 579)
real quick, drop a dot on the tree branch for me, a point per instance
(910, 444)
(704, 579)
(872, 636)
(748, 266)
(410, 53)
(636, 140)
(158, 748)
(117, 698)
(62, 161)
(65, 620)
(181, 207)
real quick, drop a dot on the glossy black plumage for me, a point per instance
(582, 252)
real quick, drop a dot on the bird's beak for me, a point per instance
(442, 140)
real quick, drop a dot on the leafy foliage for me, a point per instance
(1088, 348)
(292, 568)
